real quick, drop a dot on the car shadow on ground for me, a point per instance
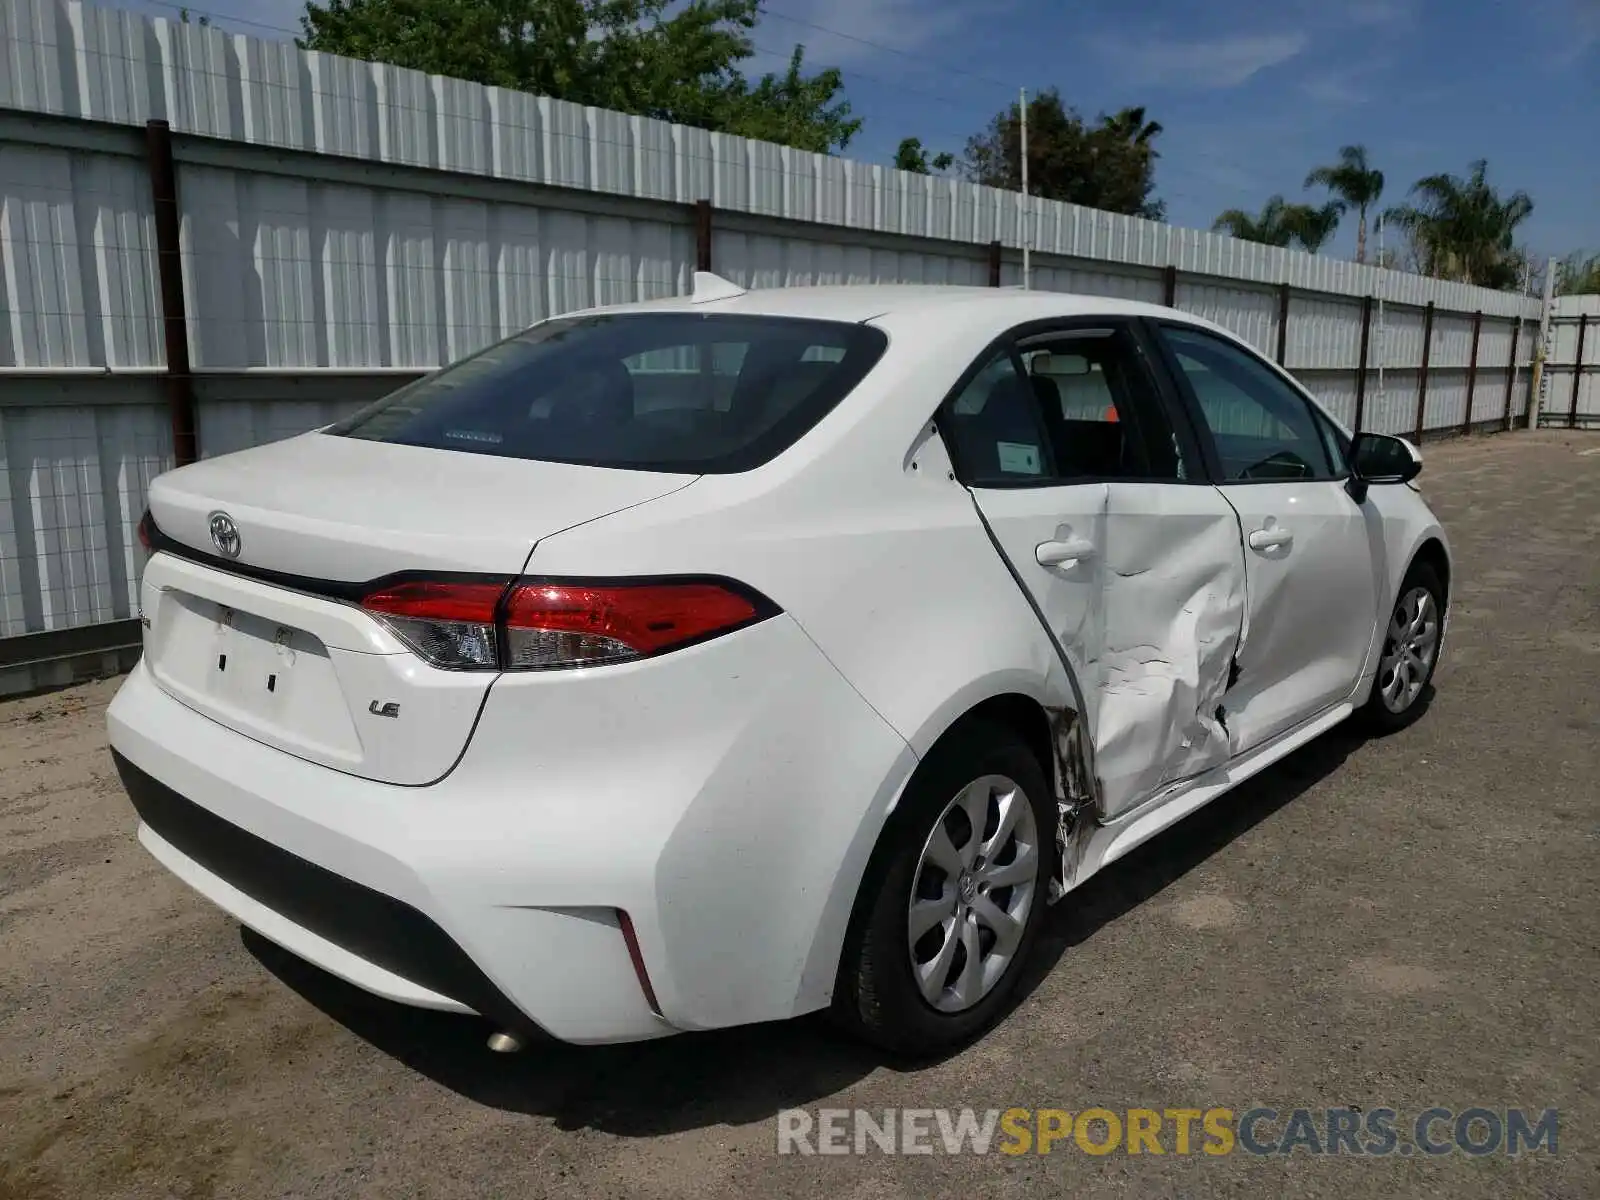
(740, 1076)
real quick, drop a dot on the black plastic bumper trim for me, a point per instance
(369, 924)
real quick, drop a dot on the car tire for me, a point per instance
(886, 975)
(1397, 702)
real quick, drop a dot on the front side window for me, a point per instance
(1262, 427)
(681, 392)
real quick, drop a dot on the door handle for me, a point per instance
(1271, 538)
(1063, 554)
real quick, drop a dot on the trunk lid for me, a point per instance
(268, 642)
(340, 508)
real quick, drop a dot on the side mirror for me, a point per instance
(1380, 458)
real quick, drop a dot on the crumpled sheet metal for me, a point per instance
(1152, 701)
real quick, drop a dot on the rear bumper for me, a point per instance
(728, 809)
(365, 937)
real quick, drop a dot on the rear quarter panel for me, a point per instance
(863, 536)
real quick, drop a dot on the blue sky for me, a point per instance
(1252, 94)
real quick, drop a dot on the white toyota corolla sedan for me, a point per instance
(724, 658)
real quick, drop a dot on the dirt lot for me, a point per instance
(1408, 923)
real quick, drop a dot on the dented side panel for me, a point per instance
(1173, 597)
(1314, 560)
(1148, 619)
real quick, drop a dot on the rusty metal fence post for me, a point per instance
(1472, 373)
(1283, 324)
(169, 264)
(1361, 366)
(702, 235)
(1511, 373)
(1422, 375)
(1577, 371)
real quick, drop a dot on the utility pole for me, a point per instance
(1027, 208)
(1540, 382)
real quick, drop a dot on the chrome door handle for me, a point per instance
(1063, 554)
(1271, 539)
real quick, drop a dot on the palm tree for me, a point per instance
(1312, 227)
(1462, 228)
(1269, 227)
(1129, 125)
(1280, 223)
(1354, 184)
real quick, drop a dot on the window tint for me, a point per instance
(1059, 408)
(683, 392)
(1336, 443)
(994, 428)
(1262, 427)
(1100, 408)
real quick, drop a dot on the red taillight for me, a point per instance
(427, 600)
(450, 624)
(573, 624)
(554, 624)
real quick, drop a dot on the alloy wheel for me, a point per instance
(972, 893)
(1409, 647)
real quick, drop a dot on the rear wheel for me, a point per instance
(1410, 653)
(952, 902)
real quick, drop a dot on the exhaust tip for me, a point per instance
(504, 1043)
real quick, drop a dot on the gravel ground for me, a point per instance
(1411, 922)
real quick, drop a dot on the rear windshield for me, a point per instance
(683, 392)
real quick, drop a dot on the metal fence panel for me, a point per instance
(77, 279)
(1249, 312)
(75, 479)
(1324, 334)
(1571, 388)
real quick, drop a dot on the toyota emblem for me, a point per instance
(224, 535)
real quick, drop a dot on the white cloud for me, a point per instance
(1344, 87)
(1202, 63)
(1378, 12)
(1583, 30)
(885, 34)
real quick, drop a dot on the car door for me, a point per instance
(1099, 503)
(1311, 565)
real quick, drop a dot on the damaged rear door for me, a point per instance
(1096, 498)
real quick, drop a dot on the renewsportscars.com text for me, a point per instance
(1343, 1130)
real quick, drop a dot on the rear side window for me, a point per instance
(682, 392)
(1061, 407)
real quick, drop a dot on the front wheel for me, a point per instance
(952, 901)
(1410, 653)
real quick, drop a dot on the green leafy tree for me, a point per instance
(1280, 223)
(656, 58)
(1463, 229)
(1109, 164)
(910, 156)
(1354, 184)
(1578, 274)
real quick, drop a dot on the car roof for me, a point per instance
(871, 302)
